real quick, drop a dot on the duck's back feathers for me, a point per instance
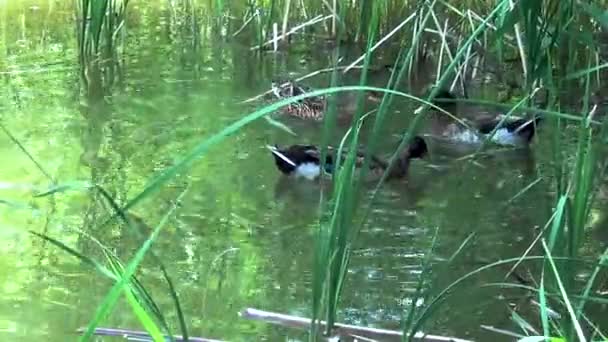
(296, 159)
(510, 132)
(310, 108)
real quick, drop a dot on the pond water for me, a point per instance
(242, 236)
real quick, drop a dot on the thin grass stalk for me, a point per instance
(520, 44)
(382, 40)
(336, 252)
(350, 197)
(172, 291)
(109, 302)
(321, 257)
(415, 33)
(572, 315)
(100, 268)
(406, 323)
(27, 153)
(544, 316)
(285, 19)
(395, 79)
(142, 315)
(419, 321)
(440, 297)
(334, 18)
(345, 200)
(443, 78)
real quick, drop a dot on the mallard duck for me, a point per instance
(516, 132)
(314, 107)
(310, 108)
(304, 160)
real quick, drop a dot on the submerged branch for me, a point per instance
(341, 329)
(140, 335)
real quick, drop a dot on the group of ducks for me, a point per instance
(303, 160)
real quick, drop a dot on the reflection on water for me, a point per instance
(243, 236)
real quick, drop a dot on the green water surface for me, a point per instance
(242, 236)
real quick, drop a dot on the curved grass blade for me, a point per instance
(443, 293)
(202, 148)
(143, 317)
(65, 187)
(280, 125)
(97, 266)
(94, 264)
(112, 297)
(174, 296)
(577, 326)
(27, 153)
(142, 294)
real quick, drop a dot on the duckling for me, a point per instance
(515, 132)
(314, 107)
(303, 161)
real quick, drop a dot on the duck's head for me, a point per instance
(417, 148)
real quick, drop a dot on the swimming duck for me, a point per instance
(517, 132)
(304, 160)
(314, 107)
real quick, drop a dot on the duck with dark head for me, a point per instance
(517, 132)
(304, 161)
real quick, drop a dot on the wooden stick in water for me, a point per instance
(340, 329)
(312, 21)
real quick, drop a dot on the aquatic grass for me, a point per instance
(585, 165)
(574, 196)
(565, 296)
(135, 289)
(327, 251)
(98, 27)
(99, 19)
(107, 305)
(129, 222)
(25, 151)
(135, 286)
(573, 201)
(200, 149)
(334, 244)
(142, 314)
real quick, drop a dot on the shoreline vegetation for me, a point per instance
(551, 44)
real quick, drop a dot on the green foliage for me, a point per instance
(556, 45)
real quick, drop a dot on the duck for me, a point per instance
(512, 132)
(303, 161)
(313, 108)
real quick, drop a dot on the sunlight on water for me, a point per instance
(242, 237)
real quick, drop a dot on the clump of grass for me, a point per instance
(99, 27)
(543, 32)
